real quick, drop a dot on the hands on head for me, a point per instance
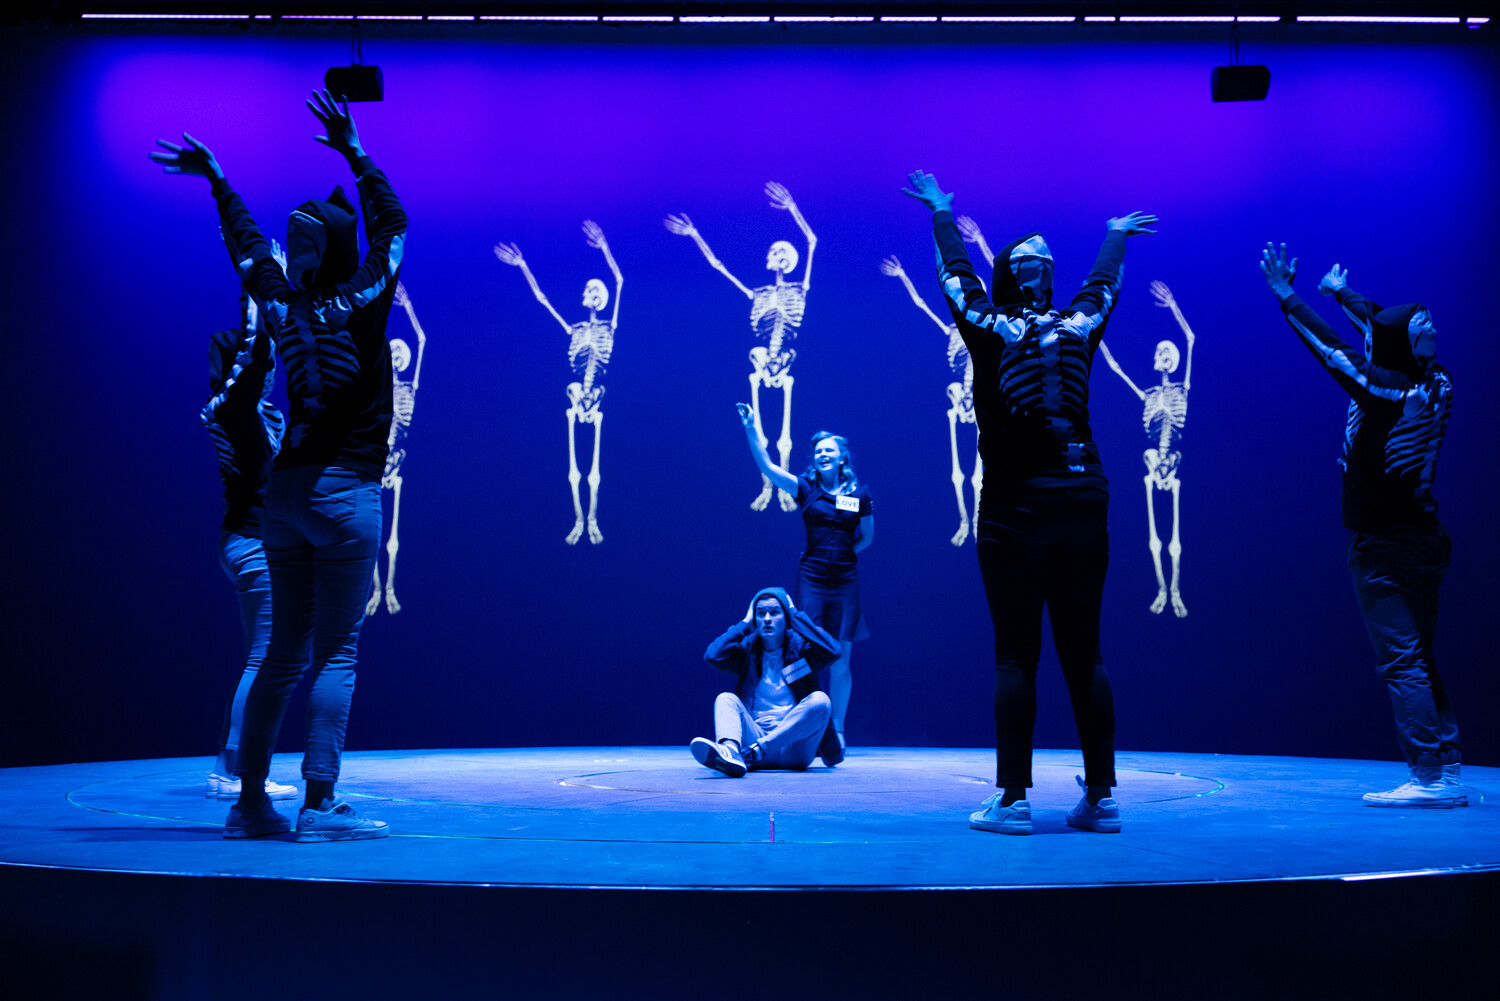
(1133, 224)
(924, 188)
(1334, 280)
(1279, 272)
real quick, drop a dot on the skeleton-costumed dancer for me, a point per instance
(246, 429)
(404, 403)
(591, 343)
(322, 524)
(840, 521)
(776, 315)
(1043, 524)
(960, 400)
(1164, 418)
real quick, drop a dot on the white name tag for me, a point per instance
(847, 503)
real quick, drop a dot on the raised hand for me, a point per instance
(509, 253)
(1278, 271)
(968, 229)
(1334, 280)
(891, 266)
(924, 188)
(780, 197)
(341, 134)
(747, 415)
(594, 235)
(194, 159)
(680, 224)
(1132, 224)
(278, 255)
(401, 299)
(1163, 295)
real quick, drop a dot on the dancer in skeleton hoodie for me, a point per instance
(1398, 551)
(1043, 517)
(322, 516)
(776, 717)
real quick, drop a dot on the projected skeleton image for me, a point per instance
(404, 399)
(1164, 417)
(591, 342)
(776, 312)
(960, 402)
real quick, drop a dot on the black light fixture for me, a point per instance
(356, 82)
(1236, 82)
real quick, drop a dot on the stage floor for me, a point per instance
(633, 817)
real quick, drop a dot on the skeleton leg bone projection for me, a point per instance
(960, 398)
(1164, 417)
(404, 400)
(591, 344)
(776, 313)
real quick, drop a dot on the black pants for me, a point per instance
(1048, 548)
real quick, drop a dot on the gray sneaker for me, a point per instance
(719, 757)
(339, 822)
(1013, 819)
(1102, 817)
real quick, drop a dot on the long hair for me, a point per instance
(847, 480)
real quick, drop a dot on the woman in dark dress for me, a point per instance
(840, 521)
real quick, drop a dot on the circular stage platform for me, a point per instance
(573, 864)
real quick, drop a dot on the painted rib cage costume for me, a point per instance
(1043, 535)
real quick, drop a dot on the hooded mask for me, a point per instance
(1023, 274)
(322, 243)
(1394, 346)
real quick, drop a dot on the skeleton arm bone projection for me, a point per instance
(511, 254)
(776, 312)
(969, 230)
(960, 401)
(1164, 417)
(404, 404)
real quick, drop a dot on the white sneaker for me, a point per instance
(1102, 817)
(220, 787)
(1427, 788)
(1013, 819)
(719, 757)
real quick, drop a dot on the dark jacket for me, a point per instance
(808, 649)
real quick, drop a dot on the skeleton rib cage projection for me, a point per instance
(1163, 418)
(960, 394)
(776, 312)
(591, 344)
(404, 404)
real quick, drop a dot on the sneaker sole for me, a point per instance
(353, 834)
(1103, 827)
(255, 831)
(1000, 826)
(713, 759)
(1425, 804)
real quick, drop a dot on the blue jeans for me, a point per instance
(321, 531)
(1048, 549)
(243, 560)
(1396, 579)
(791, 743)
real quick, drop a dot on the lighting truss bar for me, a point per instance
(1376, 19)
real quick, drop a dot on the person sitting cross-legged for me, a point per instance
(776, 717)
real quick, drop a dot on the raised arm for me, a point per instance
(683, 226)
(891, 266)
(385, 219)
(1359, 377)
(510, 254)
(780, 477)
(1360, 311)
(1109, 359)
(781, 198)
(595, 237)
(1166, 300)
(969, 229)
(1101, 289)
(404, 301)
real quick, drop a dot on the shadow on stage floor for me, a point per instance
(634, 872)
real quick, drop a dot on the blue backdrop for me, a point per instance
(123, 635)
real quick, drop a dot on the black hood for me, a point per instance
(322, 243)
(1005, 290)
(1390, 339)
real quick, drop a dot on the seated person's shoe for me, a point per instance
(220, 787)
(1102, 817)
(339, 822)
(831, 747)
(1427, 789)
(1013, 819)
(719, 757)
(257, 822)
